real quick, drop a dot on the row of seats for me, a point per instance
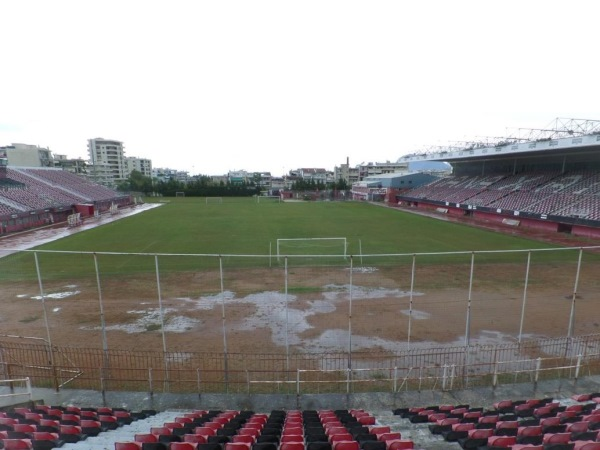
(46, 188)
(73, 182)
(47, 427)
(572, 193)
(279, 430)
(534, 424)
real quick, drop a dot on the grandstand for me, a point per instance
(33, 197)
(545, 179)
(523, 420)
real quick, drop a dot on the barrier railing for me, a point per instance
(25, 388)
(301, 380)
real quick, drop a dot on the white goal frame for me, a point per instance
(179, 194)
(214, 200)
(278, 197)
(343, 239)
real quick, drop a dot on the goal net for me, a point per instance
(179, 194)
(214, 200)
(268, 199)
(337, 246)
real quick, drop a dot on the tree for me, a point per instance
(136, 182)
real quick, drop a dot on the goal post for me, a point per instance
(336, 246)
(214, 200)
(179, 194)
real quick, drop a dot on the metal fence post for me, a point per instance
(410, 302)
(444, 376)
(523, 306)
(225, 353)
(350, 318)
(348, 381)
(574, 297)
(28, 387)
(50, 348)
(162, 325)
(495, 378)
(578, 366)
(102, 326)
(150, 383)
(287, 320)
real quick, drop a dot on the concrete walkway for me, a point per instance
(25, 240)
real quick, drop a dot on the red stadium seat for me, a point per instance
(183, 446)
(128, 445)
(17, 444)
(145, 437)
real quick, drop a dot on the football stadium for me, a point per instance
(461, 313)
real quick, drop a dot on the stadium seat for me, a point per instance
(128, 445)
(291, 446)
(145, 437)
(501, 441)
(323, 445)
(182, 446)
(17, 444)
(71, 433)
(556, 438)
(155, 446)
(476, 438)
(586, 445)
(345, 445)
(399, 444)
(264, 446)
(244, 438)
(194, 438)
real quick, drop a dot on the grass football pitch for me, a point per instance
(242, 226)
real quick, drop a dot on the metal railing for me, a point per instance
(25, 388)
(143, 371)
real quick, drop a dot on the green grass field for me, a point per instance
(240, 226)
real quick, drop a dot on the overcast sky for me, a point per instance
(213, 86)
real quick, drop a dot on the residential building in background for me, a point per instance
(142, 165)
(107, 161)
(108, 164)
(363, 170)
(345, 172)
(25, 155)
(73, 165)
(165, 174)
(314, 174)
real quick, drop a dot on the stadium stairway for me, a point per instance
(106, 440)
(418, 433)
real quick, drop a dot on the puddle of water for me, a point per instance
(57, 295)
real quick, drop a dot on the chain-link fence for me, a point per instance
(243, 322)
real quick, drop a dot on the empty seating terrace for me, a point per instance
(105, 428)
(574, 193)
(45, 188)
(74, 182)
(535, 424)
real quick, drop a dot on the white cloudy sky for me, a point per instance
(211, 86)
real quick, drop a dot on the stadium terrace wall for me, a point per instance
(571, 225)
(29, 220)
